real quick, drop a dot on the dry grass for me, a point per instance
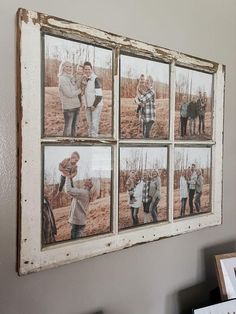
(205, 136)
(54, 120)
(205, 202)
(131, 126)
(125, 219)
(98, 219)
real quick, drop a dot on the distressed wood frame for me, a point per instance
(224, 290)
(31, 256)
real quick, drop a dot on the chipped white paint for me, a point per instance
(158, 52)
(31, 146)
(171, 146)
(217, 150)
(32, 257)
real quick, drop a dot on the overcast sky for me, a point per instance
(199, 156)
(133, 67)
(199, 80)
(64, 49)
(94, 161)
(154, 154)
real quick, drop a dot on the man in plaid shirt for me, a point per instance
(146, 199)
(192, 186)
(148, 107)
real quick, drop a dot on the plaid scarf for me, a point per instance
(148, 111)
(145, 193)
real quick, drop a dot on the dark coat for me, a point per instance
(49, 229)
(192, 110)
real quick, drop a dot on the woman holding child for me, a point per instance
(146, 104)
(69, 96)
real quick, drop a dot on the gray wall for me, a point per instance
(167, 276)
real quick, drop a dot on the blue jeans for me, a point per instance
(183, 206)
(134, 215)
(197, 201)
(76, 231)
(154, 210)
(93, 119)
(70, 118)
(192, 126)
(62, 183)
(201, 126)
(147, 128)
(183, 122)
(191, 196)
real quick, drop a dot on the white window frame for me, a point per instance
(32, 257)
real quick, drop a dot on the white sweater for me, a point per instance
(68, 92)
(183, 187)
(79, 204)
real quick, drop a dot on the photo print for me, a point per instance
(144, 98)
(192, 181)
(193, 104)
(77, 89)
(143, 185)
(77, 191)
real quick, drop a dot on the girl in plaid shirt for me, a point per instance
(140, 91)
(147, 102)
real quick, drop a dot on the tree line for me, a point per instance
(52, 68)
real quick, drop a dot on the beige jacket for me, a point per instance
(79, 204)
(68, 92)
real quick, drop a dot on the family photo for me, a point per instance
(76, 192)
(77, 89)
(142, 186)
(192, 181)
(144, 98)
(193, 104)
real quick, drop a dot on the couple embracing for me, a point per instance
(82, 88)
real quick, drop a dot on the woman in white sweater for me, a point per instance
(69, 96)
(183, 189)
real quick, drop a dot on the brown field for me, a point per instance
(98, 219)
(207, 135)
(205, 202)
(54, 120)
(125, 219)
(131, 126)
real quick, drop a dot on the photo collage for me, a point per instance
(79, 141)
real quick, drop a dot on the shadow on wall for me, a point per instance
(204, 293)
(96, 312)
